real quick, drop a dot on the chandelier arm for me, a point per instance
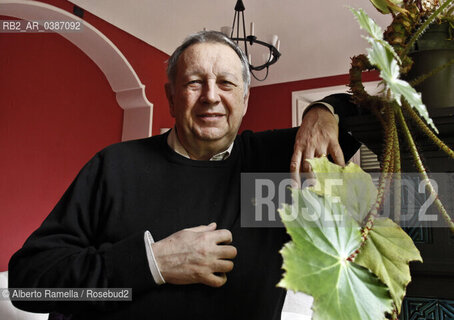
(244, 35)
(238, 26)
(262, 79)
(274, 52)
(233, 26)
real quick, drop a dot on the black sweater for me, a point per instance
(95, 235)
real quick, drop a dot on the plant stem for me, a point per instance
(423, 126)
(397, 176)
(360, 96)
(395, 315)
(422, 170)
(423, 27)
(387, 168)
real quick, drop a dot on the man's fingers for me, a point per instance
(221, 236)
(308, 154)
(295, 164)
(203, 228)
(213, 280)
(337, 155)
(223, 266)
(227, 252)
(196, 255)
(306, 166)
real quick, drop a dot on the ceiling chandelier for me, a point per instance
(271, 54)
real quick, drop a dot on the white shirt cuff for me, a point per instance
(157, 276)
(327, 105)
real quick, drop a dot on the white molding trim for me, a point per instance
(130, 92)
(301, 99)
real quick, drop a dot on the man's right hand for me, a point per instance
(196, 255)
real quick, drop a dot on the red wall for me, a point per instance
(270, 106)
(56, 111)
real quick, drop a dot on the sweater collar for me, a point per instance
(175, 144)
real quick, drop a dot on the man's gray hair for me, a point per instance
(208, 37)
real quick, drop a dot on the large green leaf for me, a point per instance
(382, 55)
(368, 24)
(375, 32)
(316, 261)
(389, 71)
(387, 252)
(351, 184)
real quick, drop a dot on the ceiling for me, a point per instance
(317, 36)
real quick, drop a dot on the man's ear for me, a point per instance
(246, 101)
(169, 95)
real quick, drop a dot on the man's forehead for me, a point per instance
(210, 53)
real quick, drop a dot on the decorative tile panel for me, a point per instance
(419, 234)
(427, 309)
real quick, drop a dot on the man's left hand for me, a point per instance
(318, 135)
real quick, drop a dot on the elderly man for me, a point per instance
(182, 188)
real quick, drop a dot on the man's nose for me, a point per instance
(210, 93)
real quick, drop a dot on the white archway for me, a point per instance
(130, 92)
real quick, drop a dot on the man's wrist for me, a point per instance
(323, 105)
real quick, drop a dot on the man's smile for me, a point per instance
(210, 116)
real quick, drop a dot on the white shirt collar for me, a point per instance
(175, 144)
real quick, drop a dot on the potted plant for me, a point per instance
(354, 262)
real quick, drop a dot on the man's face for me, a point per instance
(207, 99)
